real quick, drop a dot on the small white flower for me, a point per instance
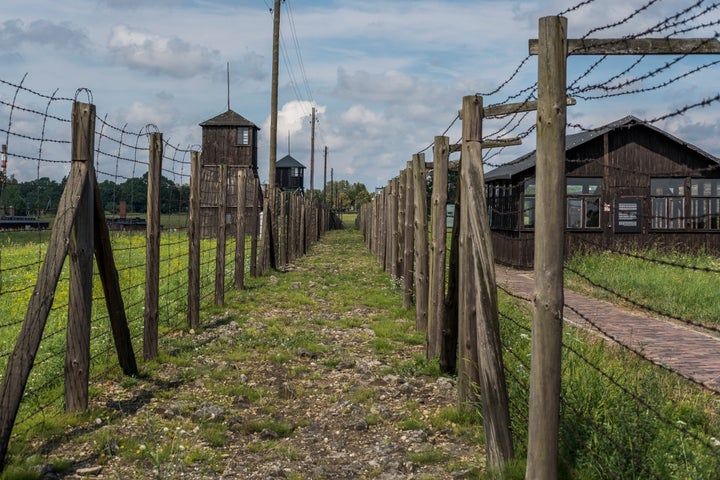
(98, 421)
(142, 447)
(181, 448)
(715, 442)
(681, 423)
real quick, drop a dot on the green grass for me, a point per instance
(689, 293)
(621, 416)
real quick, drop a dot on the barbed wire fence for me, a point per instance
(619, 407)
(36, 130)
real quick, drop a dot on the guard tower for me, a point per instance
(290, 174)
(229, 140)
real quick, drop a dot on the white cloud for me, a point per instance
(158, 54)
(58, 35)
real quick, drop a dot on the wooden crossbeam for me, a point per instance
(496, 143)
(510, 108)
(638, 46)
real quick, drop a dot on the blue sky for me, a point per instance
(385, 76)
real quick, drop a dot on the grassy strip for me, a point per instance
(689, 293)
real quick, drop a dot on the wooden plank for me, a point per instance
(421, 242)
(194, 243)
(547, 305)
(111, 287)
(240, 229)
(257, 197)
(493, 389)
(409, 238)
(494, 143)
(438, 227)
(152, 250)
(402, 206)
(637, 46)
(77, 353)
(22, 358)
(511, 108)
(449, 360)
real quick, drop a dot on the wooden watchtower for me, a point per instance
(290, 174)
(229, 143)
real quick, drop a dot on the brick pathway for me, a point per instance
(693, 353)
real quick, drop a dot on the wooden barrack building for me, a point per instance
(629, 184)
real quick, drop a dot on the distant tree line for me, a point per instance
(344, 196)
(42, 195)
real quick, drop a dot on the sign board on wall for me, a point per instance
(628, 215)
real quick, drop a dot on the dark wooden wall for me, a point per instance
(626, 159)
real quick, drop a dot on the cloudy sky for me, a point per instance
(385, 76)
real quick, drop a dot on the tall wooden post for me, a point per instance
(493, 390)
(77, 356)
(438, 221)
(325, 177)
(221, 239)
(421, 242)
(409, 238)
(240, 229)
(274, 93)
(194, 241)
(547, 305)
(312, 155)
(402, 205)
(152, 249)
(257, 197)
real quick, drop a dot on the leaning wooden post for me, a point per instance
(421, 242)
(194, 243)
(221, 237)
(493, 390)
(152, 249)
(77, 356)
(409, 238)
(240, 226)
(26, 347)
(547, 304)
(438, 221)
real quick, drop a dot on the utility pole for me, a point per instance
(274, 94)
(325, 179)
(312, 155)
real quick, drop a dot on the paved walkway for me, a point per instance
(692, 353)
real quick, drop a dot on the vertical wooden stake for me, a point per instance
(77, 356)
(438, 220)
(257, 197)
(152, 250)
(240, 225)
(194, 241)
(409, 237)
(421, 242)
(547, 305)
(221, 237)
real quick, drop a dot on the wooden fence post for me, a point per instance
(421, 242)
(21, 361)
(449, 359)
(547, 304)
(152, 249)
(402, 186)
(493, 390)
(77, 356)
(409, 238)
(257, 197)
(221, 237)
(393, 227)
(240, 229)
(194, 243)
(438, 217)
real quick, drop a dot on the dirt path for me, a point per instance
(313, 373)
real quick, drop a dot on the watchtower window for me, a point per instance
(243, 136)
